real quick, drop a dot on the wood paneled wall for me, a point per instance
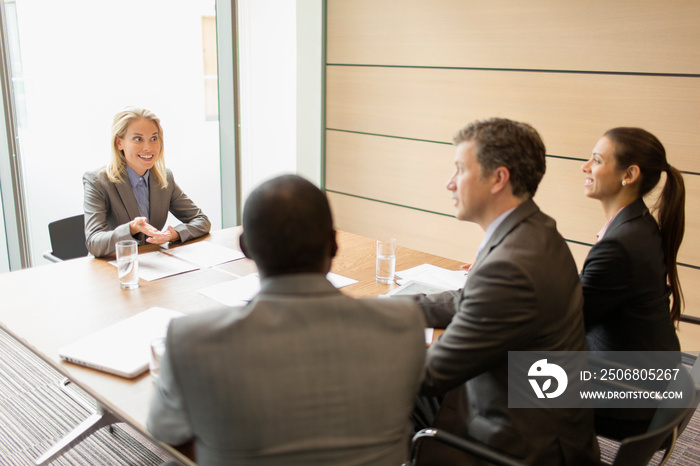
(403, 76)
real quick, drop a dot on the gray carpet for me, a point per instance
(35, 413)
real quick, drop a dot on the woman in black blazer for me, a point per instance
(632, 296)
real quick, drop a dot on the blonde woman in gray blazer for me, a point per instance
(114, 212)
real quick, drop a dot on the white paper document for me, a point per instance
(433, 275)
(240, 291)
(412, 287)
(339, 281)
(155, 265)
(205, 254)
(429, 335)
(234, 292)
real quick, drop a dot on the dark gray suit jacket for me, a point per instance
(302, 375)
(523, 294)
(626, 298)
(109, 208)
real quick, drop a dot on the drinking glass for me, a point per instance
(128, 264)
(386, 260)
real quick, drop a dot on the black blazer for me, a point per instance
(626, 298)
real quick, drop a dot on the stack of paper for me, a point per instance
(434, 276)
(205, 254)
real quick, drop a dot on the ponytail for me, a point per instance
(671, 208)
(635, 146)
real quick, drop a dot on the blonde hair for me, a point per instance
(117, 164)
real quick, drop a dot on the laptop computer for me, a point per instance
(122, 349)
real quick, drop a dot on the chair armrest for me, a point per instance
(474, 448)
(695, 373)
(48, 255)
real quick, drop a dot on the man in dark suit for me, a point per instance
(522, 294)
(303, 374)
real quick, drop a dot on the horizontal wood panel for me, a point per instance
(690, 249)
(414, 174)
(571, 111)
(560, 195)
(597, 35)
(413, 94)
(689, 335)
(431, 233)
(690, 284)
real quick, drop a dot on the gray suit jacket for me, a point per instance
(109, 208)
(302, 375)
(522, 294)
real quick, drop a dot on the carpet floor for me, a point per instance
(35, 413)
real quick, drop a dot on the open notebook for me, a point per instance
(122, 349)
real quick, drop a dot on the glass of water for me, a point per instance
(128, 264)
(386, 260)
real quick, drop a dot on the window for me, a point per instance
(78, 63)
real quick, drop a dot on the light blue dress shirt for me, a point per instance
(140, 186)
(492, 228)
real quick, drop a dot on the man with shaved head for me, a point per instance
(303, 374)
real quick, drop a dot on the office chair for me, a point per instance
(694, 362)
(67, 239)
(666, 424)
(665, 427)
(476, 449)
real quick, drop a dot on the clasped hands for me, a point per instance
(154, 236)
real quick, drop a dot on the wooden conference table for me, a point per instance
(50, 306)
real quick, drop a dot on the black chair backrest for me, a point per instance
(68, 237)
(664, 427)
